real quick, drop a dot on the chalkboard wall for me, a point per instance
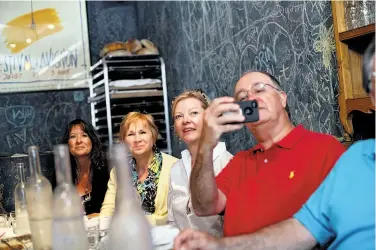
(110, 21)
(38, 118)
(210, 44)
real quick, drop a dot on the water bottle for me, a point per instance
(129, 228)
(68, 227)
(39, 203)
(22, 216)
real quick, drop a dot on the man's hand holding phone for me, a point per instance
(249, 109)
(225, 115)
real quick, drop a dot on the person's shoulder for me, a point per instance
(112, 171)
(360, 148)
(221, 151)
(227, 154)
(363, 144)
(237, 162)
(323, 139)
(224, 159)
(103, 174)
(322, 136)
(177, 163)
(356, 157)
(169, 159)
(177, 166)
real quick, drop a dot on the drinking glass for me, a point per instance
(12, 221)
(93, 236)
(103, 240)
(102, 246)
(3, 220)
(12, 218)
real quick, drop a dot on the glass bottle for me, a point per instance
(22, 216)
(39, 203)
(129, 227)
(68, 229)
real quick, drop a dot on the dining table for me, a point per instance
(162, 236)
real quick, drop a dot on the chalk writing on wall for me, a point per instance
(210, 44)
(38, 118)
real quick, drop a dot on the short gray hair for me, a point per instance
(274, 80)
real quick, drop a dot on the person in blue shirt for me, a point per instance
(339, 215)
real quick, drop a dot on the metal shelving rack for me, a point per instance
(110, 99)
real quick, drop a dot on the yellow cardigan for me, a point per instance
(160, 215)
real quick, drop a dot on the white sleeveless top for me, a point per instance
(180, 211)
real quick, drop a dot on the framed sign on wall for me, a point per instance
(43, 45)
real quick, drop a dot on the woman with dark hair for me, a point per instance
(89, 164)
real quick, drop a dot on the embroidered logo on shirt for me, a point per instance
(292, 174)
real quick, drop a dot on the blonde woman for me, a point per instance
(150, 168)
(187, 110)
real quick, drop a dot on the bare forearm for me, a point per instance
(287, 235)
(202, 184)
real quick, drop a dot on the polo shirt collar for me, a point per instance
(289, 141)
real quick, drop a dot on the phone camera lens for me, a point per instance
(248, 111)
(254, 104)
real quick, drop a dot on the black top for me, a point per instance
(95, 198)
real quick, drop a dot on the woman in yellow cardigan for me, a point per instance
(150, 168)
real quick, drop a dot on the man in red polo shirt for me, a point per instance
(272, 180)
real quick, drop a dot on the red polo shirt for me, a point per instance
(267, 186)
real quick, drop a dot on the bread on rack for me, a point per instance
(147, 51)
(119, 53)
(149, 48)
(129, 48)
(119, 47)
(133, 45)
(148, 44)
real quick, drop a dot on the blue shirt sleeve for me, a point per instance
(316, 212)
(344, 194)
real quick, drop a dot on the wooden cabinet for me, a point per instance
(350, 45)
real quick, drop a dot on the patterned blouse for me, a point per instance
(148, 189)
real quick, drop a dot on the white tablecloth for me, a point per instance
(163, 236)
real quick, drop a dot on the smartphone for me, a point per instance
(249, 109)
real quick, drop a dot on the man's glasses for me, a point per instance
(256, 90)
